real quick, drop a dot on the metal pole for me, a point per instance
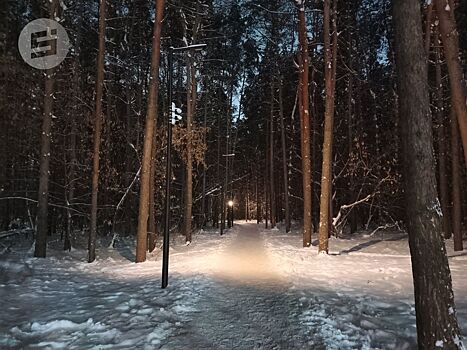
(165, 258)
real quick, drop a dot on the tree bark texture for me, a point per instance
(40, 247)
(143, 213)
(285, 171)
(434, 299)
(97, 132)
(456, 185)
(307, 177)
(326, 176)
(442, 139)
(450, 39)
(271, 159)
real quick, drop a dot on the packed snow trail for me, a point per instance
(248, 289)
(247, 305)
(245, 259)
(250, 305)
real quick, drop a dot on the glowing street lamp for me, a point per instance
(230, 220)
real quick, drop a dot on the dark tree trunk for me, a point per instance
(71, 175)
(203, 194)
(258, 203)
(97, 132)
(215, 220)
(266, 179)
(141, 238)
(456, 185)
(441, 133)
(353, 218)
(305, 131)
(152, 234)
(271, 159)
(191, 103)
(434, 299)
(450, 38)
(40, 248)
(326, 177)
(285, 170)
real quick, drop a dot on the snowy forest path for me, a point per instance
(245, 259)
(225, 292)
(248, 304)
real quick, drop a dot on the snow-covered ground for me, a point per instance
(249, 289)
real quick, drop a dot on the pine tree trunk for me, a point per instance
(434, 299)
(71, 175)
(350, 120)
(215, 221)
(456, 185)
(441, 133)
(326, 177)
(247, 205)
(141, 236)
(266, 179)
(258, 203)
(450, 38)
(191, 102)
(97, 132)
(271, 159)
(40, 248)
(285, 171)
(203, 195)
(307, 176)
(70, 170)
(152, 234)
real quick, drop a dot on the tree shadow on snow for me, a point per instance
(367, 244)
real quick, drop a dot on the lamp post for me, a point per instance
(225, 211)
(171, 118)
(231, 216)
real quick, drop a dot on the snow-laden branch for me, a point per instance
(335, 220)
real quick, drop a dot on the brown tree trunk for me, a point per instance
(71, 174)
(215, 220)
(326, 177)
(285, 171)
(141, 237)
(266, 177)
(353, 213)
(203, 195)
(434, 299)
(97, 132)
(307, 176)
(271, 159)
(70, 170)
(441, 133)
(456, 185)
(152, 234)
(191, 107)
(258, 203)
(191, 103)
(450, 38)
(40, 247)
